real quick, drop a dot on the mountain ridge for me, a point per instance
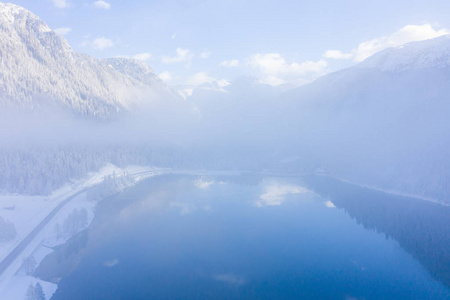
(38, 63)
(383, 122)
(414, 55)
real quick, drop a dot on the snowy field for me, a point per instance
(27, 212)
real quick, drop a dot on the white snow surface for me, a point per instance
(383, 123)
(29, 211)
(38, 64)
(433, 53)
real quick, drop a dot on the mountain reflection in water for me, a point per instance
(421, 228)
(255, 237)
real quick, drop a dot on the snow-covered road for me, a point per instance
(35, 225)
(10, 258)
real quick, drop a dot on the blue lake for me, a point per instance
(253, 237)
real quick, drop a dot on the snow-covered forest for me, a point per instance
(86, 125)
(381, 123)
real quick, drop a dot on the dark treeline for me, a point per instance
(42, 170)
(420, 227)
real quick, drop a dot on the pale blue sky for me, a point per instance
(223, 39)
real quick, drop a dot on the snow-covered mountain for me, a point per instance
(434, 53)
(384, 122)
(37, 64)
(137, 70)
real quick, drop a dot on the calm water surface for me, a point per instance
(250, 237)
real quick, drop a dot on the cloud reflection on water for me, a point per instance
(329, 204)
(111, 263)
(275, 193)
(202, 183)
(230, 278)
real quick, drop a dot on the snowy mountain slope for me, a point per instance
(434, 53)
(383, 122)
(135, 69)
(37, 63)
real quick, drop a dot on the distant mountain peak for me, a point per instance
(37, 63)
(433, 53)
(11, 12)
(16, 17)
(134, 68)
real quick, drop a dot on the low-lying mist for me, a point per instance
(390, 138)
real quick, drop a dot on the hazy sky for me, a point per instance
(195, 41)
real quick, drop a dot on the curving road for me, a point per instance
(12, 256)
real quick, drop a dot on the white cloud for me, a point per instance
(61, 3)
(230, 63)
(409, 33)
(102, 4)
(205, 54)
(63, 30)
(186, 86)
(223, 83)
(274, 70)
(166, 76)
(143, 56)
(336, 54)
(182, 55)
(102, 43)
(199, 79)
(186, 93)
